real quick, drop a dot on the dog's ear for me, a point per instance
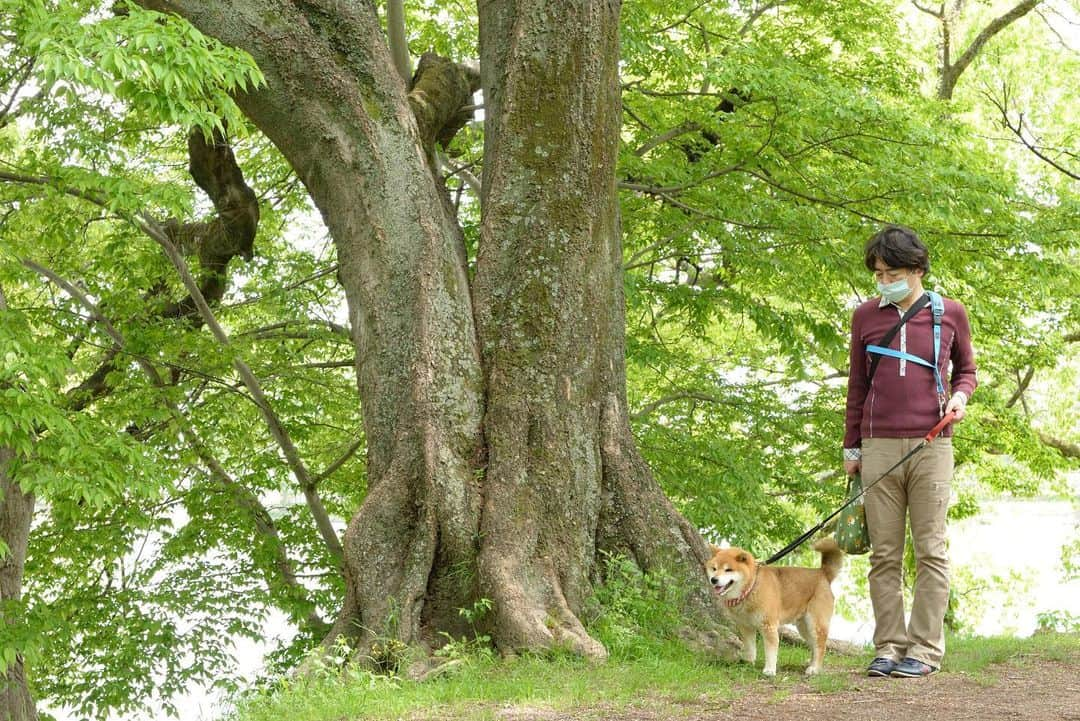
(714, 548)
(743, 558)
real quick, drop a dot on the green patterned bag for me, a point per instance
(851, 532)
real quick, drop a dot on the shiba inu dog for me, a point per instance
(763, 597)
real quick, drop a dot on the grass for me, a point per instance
(669, 677)
(557, 682)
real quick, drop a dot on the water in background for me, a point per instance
(1008, 557)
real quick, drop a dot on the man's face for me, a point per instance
(884, 274)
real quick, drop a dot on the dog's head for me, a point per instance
(730, 570)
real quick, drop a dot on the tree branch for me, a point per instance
(650, 408)
(1021, 386)
(289, 329)
(950, 72)
(684, 129)
(674, 189)
(277, 429)
(26, 68)
(399, 44)
(1002, 104)
(97, 200)
(757, 13)
(332, 468)
(1067, 449)
(439, 93)
(939, 13)
(245, 498)
(840, 205)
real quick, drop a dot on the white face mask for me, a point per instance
(894, 292)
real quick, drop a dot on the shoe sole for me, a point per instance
(901, 674)
(877, 674)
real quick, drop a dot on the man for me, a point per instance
(893, 401)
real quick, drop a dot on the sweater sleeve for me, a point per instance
(857, 386)
(962, 356)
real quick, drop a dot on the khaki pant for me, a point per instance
(919, 488)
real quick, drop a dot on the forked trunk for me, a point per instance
(500, 459)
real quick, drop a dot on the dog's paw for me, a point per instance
(770, 672)
(812, 670)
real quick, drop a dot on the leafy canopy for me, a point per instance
(759, 150)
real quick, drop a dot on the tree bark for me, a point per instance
(337, 110)
(564, 480)
(16, 509)
(500, 459)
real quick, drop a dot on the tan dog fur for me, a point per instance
(772, 596)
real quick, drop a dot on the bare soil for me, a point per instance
(1031, 689)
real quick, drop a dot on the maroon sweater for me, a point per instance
(903, 402)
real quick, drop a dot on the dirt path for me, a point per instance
(1034, 690)
(1045, 691)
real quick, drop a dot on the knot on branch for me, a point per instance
(440, 95)
(216, 241)
(213, 167)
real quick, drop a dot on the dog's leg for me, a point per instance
(770, 633)
(819, 648)
(805, 624)
(815, 640)
(748, 634)
(818, 617)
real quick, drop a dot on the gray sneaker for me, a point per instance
(912, 668)
(881, 666)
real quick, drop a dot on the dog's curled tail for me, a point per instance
(832, 558)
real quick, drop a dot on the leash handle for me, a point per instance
(945, 420)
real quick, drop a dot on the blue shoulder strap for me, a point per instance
(937, 307)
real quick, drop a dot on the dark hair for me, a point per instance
(897, 247)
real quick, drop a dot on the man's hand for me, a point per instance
(852, 467)
(956, 406)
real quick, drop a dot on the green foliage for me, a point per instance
(143, 565)
(159, 66)
(758, 153)
(1070, 557)
(633, 613)
(470, 650)
(757, 160)
(333, 680)
(1058, 622)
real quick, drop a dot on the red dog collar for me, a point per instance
(732, 602)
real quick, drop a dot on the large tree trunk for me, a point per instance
(564, 480)
(500, 474)
(16, 509)
(339, 113)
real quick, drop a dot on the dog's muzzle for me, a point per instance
(721, 588)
